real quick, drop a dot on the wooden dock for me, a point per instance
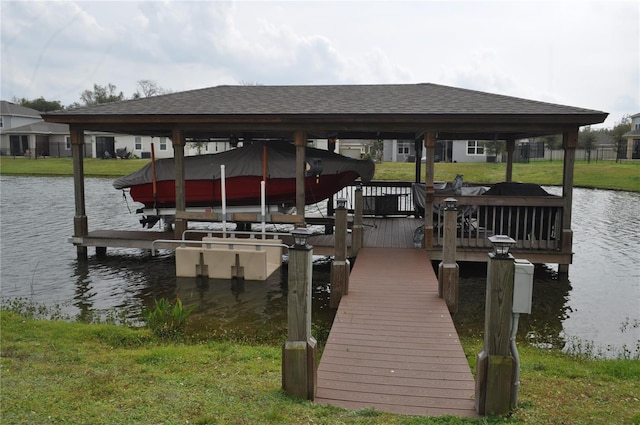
(394, 232)
(393, 346)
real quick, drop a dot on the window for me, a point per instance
(67, 144)
(138, 143)
(474, 147)
(163, 143)
(403, 148)
(1, 121)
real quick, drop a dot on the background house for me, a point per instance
(23, 132)
(633, 138)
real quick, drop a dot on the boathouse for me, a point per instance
(424, 113)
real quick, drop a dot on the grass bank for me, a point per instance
(61, 372)
(600, 175)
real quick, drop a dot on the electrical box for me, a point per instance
(522, 286)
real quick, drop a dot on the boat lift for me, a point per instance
(230, 257)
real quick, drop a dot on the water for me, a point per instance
(599, 303)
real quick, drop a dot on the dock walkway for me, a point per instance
(393, 346)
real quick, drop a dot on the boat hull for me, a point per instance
(241, 191)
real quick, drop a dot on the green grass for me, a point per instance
(61, 372)
(64, 166)
(601, 174)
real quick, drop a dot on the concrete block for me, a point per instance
(188, 261)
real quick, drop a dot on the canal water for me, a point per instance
(597, 307)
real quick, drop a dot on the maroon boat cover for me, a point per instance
(248, 161)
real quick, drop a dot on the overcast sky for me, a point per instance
(578, 53)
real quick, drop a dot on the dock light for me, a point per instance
(501, 245)
(342, 202)
(450, 203)
(300, 237)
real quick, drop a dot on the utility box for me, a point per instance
(522, 286)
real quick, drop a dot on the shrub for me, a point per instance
(167, 320)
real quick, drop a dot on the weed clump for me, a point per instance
(166, 320)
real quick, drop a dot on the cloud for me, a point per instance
(581, 54)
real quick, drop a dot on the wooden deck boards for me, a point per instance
(393, 346)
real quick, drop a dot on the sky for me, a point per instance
(572, 52)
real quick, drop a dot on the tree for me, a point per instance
(494, 147)
(40, 104)
(101, 94)
(588, 141)
(620, 128)
(148, 88)
(377, 150)
(551, 142)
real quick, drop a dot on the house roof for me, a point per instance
(39, 127)
(345, 111)
(12, 109)
(633, 133)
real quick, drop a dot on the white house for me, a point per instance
(446, 151)
(633, 138)
(23, 132)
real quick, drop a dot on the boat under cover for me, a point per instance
(245, 167)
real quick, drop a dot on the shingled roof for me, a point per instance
(346, 110)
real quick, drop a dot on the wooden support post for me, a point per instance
(80, 224)
(418, 149)
(357, 232)
(300, 139)
(430, 145)
(448, 269)
(340, 266)
(328, 228)
(511, 144)
(299, 354)
(177, 137)
(570, 143)
(495, 365)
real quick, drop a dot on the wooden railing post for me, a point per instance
(448, 270)
(494, 363)
(340, 266)
(357, 232)
(299, 354)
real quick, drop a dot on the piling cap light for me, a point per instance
(450, 203)
(501, 245)
(300, 237)
(342, 202)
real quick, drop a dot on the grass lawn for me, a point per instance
(601, 174)
(61, 372)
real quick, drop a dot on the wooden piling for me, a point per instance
(299, 353)
(80, 224)
(340, 266)
(448, 269)
(495, 364)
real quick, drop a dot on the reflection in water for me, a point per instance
(548, 310)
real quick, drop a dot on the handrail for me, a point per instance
(230, 244)
(235, 232)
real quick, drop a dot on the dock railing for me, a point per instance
(535, 222)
